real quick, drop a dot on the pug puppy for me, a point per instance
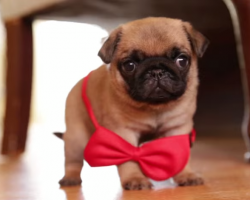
(146, 90)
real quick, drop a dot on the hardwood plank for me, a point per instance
(35, 175)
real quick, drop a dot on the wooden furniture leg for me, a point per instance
(18, 85)
(240, 13)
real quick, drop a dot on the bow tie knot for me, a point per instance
(136, 154)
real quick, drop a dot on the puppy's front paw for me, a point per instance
(70, 181)
(189, 179)
(137, 183)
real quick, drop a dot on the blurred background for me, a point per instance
(65, 52)
(2, 73)
(67, 39)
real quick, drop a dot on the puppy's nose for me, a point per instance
(157, 73)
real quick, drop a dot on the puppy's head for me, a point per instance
(151, 58)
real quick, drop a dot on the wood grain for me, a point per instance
(35, 175)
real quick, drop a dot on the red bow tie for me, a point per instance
(159, 159)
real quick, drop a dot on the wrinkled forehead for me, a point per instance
(154, 38)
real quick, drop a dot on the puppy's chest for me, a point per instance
(144, 127)
(151, 133)
(149, 128)
(160, 126)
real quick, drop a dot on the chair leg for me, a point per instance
(240, 13)
(18, 85)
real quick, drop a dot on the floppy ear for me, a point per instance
(198, 42)
(108, 48)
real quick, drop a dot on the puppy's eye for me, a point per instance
(128, 66)
(182, 61)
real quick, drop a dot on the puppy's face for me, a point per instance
(156, 78)
(153, 57)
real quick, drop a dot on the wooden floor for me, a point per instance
(34, 176)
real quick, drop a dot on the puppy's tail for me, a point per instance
(58, 134)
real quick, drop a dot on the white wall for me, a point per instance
(64, 53)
